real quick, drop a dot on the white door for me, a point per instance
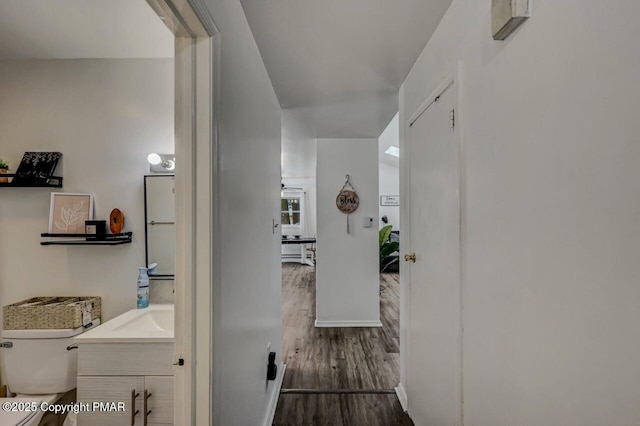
(434, 333)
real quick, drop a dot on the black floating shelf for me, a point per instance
(48, 182)
(109, 239)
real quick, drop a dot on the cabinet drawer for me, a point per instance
(125, 359)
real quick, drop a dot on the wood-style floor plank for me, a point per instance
(338, 359)
(340, 410)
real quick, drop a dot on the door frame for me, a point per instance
(197, 88)
(453, 78)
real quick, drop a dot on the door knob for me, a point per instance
(410, 257)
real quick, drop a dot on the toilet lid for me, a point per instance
(18, 418)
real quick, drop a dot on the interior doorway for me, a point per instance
(343, 374)
(197, 65)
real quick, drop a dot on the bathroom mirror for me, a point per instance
(160, 233)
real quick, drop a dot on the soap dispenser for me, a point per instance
(143, 288)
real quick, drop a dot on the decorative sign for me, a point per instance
(347, 200)
(36, 167)
(389, 200)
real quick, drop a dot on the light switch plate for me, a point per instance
(507, 15)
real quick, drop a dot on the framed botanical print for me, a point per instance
(69, 211)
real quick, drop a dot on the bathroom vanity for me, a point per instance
(129, 360)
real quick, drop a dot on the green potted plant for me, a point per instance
(4, 168)
(387, 247)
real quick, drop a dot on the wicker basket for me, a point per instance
(49, 313)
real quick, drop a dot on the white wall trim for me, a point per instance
(273, 401)
(372, 323)
(402, 396)
(196, 100)
(462, 205)
(185, 250)
(405, 247)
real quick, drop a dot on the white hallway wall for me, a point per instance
(105, 116)
(389, 184)
(248, 284)
(298, 148)
(389, 171)
(347, 266)
(299, 169)
(551, 291)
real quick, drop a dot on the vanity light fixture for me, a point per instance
(162, 163)
(393, 151)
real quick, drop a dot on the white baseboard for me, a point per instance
(273, 402)
(402, 396)
(374, 323)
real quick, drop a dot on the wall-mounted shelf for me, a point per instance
(81, 239)
(51, 182)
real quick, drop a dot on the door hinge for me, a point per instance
(452, 118)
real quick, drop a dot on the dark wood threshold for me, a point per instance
(337, 391)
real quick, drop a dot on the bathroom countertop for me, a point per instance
(152, 324)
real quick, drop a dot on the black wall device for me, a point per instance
(272, 368)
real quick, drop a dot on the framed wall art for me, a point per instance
(36, 167)
(69, 211)
(389, 200)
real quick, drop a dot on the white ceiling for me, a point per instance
(339, 63)
(65, 29)
(390, 137)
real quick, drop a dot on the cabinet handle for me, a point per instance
(134, 412)
(147, 395)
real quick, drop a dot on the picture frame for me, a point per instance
(36, 167)
(69, 211)
(389, 200)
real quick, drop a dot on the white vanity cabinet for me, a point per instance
(140, 375)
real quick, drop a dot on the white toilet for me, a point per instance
(40, 366)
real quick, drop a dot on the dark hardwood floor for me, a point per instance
(335, 361)
(340, 410)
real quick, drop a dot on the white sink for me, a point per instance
(152, 324)
(150, 320)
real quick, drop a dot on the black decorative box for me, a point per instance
(95, 229)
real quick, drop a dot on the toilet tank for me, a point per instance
(41, 361)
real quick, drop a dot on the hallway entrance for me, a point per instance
(338, 376)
